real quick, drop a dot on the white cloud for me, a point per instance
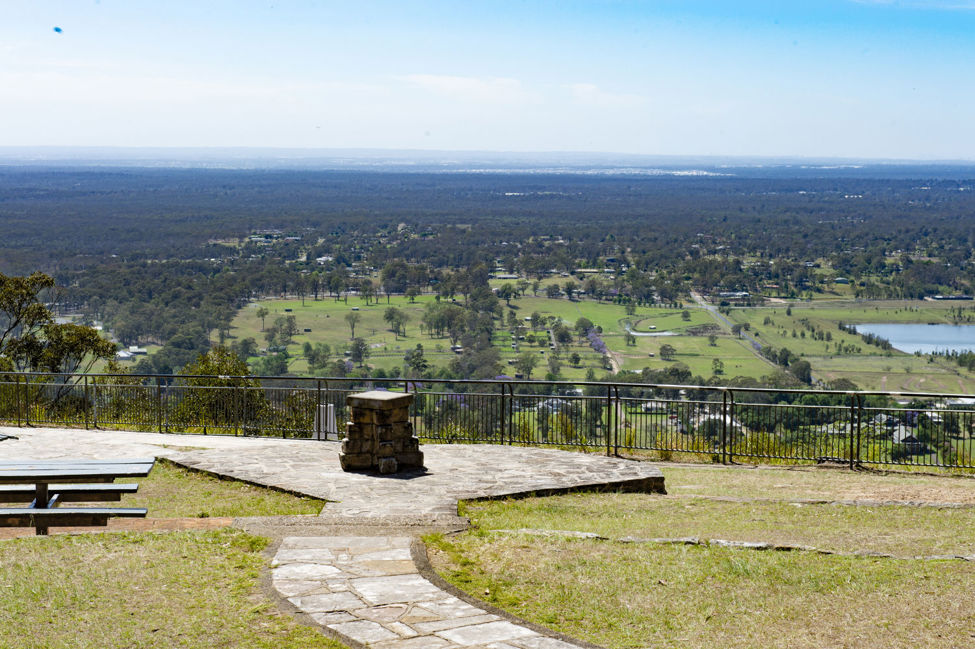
(592, 95)
(474, 89)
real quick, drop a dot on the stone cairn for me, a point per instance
(380, 435)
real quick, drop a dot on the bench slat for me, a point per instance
(70, 493)
(101, 511)
(65, 516)
(62, 463)
(69, 475)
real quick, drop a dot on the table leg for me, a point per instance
(40, 502)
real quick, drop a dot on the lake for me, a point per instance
(924, 338)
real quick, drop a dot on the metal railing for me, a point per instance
(726, 424)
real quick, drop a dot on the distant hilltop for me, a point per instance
(500, 162)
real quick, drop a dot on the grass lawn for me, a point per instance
(900, 372)
(170, 491)
(176, 589)
(629, 595)
(697, 353)
(160, 589)
(795, 483)
(632, 596)
(898, 530)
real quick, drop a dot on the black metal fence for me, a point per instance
(724, 424)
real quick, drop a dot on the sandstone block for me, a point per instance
(380, 435)
(379, 400)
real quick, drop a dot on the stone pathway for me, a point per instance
(369, 590)
(366, 588)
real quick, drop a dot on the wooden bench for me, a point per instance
(41, 518)
(69, 493)
(45, 484)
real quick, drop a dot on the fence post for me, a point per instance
(319, 431)
(94, 404)
(617, 421)
(856, 413)
(609, 418)
(503, 401)
(511, 416)
(159, 414)
(731, 426)
(20, 416)
(26, 400)
(86, 402)
(724, 427)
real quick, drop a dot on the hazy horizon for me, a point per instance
(833, 79)
(53, 153)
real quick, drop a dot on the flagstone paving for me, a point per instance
(366, 587)
(369, 590)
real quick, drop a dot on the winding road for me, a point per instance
(713, 310)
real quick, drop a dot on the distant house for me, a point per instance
(123, 355)
(715, 422)
(885, 420)
(901, 434)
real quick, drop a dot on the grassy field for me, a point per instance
(629, 595)
(869, 366)
(326, 321)
(810, 331)
(698, 354)
(166, 589)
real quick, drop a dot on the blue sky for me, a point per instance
(833, 78)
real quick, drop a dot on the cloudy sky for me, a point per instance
(835, 78)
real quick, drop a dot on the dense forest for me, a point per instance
(168, 255)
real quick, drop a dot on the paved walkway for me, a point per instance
(366, 588)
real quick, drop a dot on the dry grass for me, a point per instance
(623, 595)
(628, 596)
(816, 483)
(106, 591)
(900, 531)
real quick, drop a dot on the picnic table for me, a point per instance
(46, 484)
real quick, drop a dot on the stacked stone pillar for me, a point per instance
(380, 435)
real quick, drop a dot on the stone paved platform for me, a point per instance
(453, 472)
(366, 587)
(369, 590)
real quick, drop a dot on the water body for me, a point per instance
(924, 338)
